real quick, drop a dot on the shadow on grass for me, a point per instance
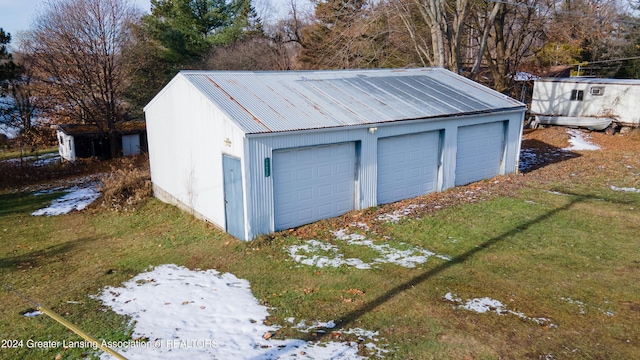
(536, 154)
(43, 256)
(20, 203)
(354, 315)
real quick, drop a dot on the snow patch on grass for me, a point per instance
(485, 305)
(185, 314)
(397, 215)
(77, 198)
(319, 254)
(582, 306)
(615, 188)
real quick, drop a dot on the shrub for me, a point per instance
(127, 185)
(17, 173)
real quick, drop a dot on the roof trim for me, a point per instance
(390, 122)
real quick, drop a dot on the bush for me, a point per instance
(127, 185)
(17, 173)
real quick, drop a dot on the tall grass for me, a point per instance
(127, 185)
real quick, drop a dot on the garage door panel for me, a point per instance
(324, 185)
(407, 166)
(304, 174)
(325, 210)
(324, 171)
(479, 152)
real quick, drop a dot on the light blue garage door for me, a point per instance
(479, 152)
(407, 166)
(313, 183)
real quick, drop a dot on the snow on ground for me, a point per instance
(187, 314)
(397, 215)
(530, 159)
(615, 188)
(363, 335)
(579, 142)
(39, 160)
(484, 305)
(320, 254)
(77, 198)
(582, 306)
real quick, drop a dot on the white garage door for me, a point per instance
(407, 166)
(479, 152)
(313, 183)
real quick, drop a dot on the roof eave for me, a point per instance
(392, 122)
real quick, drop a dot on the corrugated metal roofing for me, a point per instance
(262, 102)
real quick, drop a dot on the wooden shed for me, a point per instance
(78, 141)
(257, 152)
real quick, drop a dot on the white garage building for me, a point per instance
(257, 152)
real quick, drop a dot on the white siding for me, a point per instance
(66, 146)
(187, 136)
(619, 101)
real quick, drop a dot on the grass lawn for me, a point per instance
(562, 258)
(14, 154)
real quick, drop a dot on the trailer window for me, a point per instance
(597, 90)
(577, 95)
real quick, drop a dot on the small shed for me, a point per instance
(257, 152)
(77, 141)
(598, 104)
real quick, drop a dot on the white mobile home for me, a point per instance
(598, 104)
(257, 152)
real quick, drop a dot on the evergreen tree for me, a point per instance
(8, 69)
(180, 34)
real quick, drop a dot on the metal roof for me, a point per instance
(263, 102)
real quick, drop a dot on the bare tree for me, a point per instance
(255, 53)
(22, 101)
(445, 22)
(75, 46)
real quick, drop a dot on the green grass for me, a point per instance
(14, 154)
(572, 258)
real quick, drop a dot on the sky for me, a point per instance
(17, 15)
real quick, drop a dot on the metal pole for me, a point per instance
(77, 330)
